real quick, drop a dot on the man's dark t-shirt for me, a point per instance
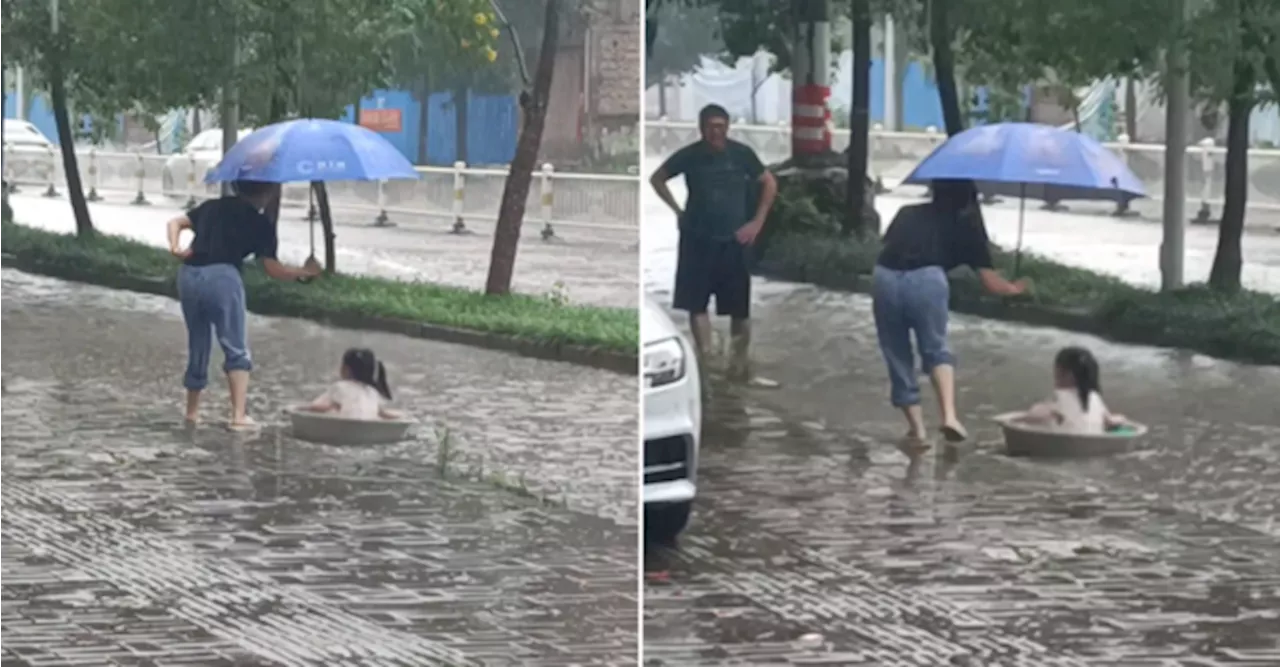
(925, 235)
(720, 184)
(227, 230)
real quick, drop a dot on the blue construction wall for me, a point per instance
(920, 105)
(491, 126)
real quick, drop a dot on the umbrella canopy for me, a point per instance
(1030, 160)
(312, 149)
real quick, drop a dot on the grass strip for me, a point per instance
(342, 296)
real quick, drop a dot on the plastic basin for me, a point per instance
(330, 429)
(1023, 439)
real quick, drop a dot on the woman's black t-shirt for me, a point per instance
(227, 230)
(925, 235)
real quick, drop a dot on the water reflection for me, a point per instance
(246, 547)
(809, 522)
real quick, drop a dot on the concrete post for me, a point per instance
(547, 200)
(459, 183)
(891, 75)
(1178, 86)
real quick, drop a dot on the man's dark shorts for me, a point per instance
(709, 267)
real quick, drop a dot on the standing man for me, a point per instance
(730, 193)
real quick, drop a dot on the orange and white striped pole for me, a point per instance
(810, 120)
(811, 79)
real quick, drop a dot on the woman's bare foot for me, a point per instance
(245, 423)
(913, 444)
(954, 432)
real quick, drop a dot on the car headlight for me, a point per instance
(664, 362)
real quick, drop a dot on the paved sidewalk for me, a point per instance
(130, 540)
(591, 269)
(815, 542)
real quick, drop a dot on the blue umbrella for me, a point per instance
(311, 149)
(1030, 160)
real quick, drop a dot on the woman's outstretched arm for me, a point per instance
(174, 230)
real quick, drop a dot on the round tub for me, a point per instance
(330, 429)
(1022, 439)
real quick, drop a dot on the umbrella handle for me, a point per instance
(311, 217)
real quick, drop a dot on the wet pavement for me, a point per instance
(814, 541)
(131, 540)
(596, 267)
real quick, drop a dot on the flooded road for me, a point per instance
(1127, 249)
(132, 539)
(590, 267)
(815, 541)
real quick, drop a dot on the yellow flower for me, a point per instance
(493, 32)
(490, 54)
(466, 44)
(481, 19)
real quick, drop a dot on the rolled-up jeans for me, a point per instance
(907, 302)
(213, 303)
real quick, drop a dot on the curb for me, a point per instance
(602, 359)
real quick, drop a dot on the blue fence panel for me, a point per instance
(491, 126)
(491, 129)
(406, 140)
(442, 128)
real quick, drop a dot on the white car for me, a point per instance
(28, 154)
(206, 150)
(672, 425)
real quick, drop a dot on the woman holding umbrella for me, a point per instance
(911, 294)
(231, 228)
(211, 290)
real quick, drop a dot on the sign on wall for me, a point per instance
(381, 120)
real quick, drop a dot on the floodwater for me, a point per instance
(814, 541)
(588, 268)
(130, 539)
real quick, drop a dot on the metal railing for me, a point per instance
(894, 154)
(608, 203)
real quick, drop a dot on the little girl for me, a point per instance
(1077, 405)
(361, 391)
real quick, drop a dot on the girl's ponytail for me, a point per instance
(380, 381)
(1083, 367)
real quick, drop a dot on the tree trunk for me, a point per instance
(662, 97)
(461, 99)
(61, 118)
(1228, 260)
(859, 121)
(424, 117)
(944, 65)
(1131, 109)
(811, 82)
(326, 225)
(515, 194)
(195, 123)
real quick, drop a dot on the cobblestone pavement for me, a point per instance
(130, 540)
(595, 267)
(815, 542)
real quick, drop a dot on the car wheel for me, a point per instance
(664, 523)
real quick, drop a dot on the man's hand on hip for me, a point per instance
(747, 233)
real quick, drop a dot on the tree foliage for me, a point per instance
(683, 34)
